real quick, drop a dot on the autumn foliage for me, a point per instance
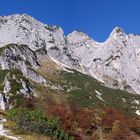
(89, 124)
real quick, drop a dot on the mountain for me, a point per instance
(38, 62)
(107, 61)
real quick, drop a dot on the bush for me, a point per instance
(36, 121)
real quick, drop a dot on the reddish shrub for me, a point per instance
(85, 118)
(111, 115)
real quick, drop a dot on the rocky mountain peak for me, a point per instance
(77, 36)
(117, 31)
(117, 34)
(23, 29)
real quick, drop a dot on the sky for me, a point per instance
(97, 18)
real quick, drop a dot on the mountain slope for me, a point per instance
(41, 69)
(26, 42)
(85, 91)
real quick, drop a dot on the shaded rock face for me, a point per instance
(20, 57)
(17, 65)
(115, 62)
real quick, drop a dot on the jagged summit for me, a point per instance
(21, 28)
(117, 30)
(116, 34)
(19, 17)
(77, 36)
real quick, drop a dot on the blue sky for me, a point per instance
(95, 17)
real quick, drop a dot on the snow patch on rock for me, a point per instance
(99, 94)
(136, 102)
(138, 112)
